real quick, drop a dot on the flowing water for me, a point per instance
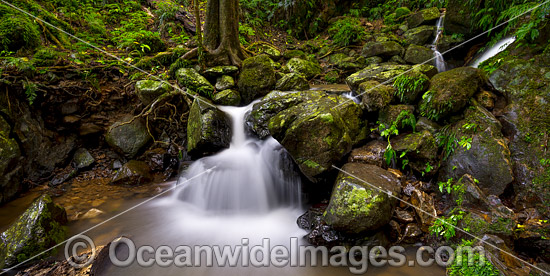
(494, 50)
(439, 61)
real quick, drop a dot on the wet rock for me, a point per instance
(257, 78)
(195, 82)
(375, 96)
(9, 157)
(128, 136)
(82, 158)
(424, 207)
(420, 36)
(488, 159)
(227, 97)
(133, 173)
(208, 128)
(390, 113)
(303, 67)
(412, 233)
(225, 82)
(218, 71)
(410, 86)
(418, 54)
(420, 148)
(486, 99)
(372, 153)
(380, 73)
(316, 128)
(149, 90)
(155, 159)
(37, 229)
(382, 49)
(92, 213)
(424, 123)
(356, 206)
(450, 92)
(426, 17)
(292, 82)
(403, 216)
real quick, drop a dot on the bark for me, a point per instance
(221, 33)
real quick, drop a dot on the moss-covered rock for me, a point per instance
(195, 82)
(488, 159)
(382, 49)
(390, 113)
(17, 31)
(375, 96)
(290, 54)
(420, 35)
(269, 50)
(292, 82)
(380, 73)
(82, 158)
(149, 90)
(218, 71)
(9, 157)
(372, 153)
(208, 128)
(410, 86)
(423, 17)
(356, 205)
(401, 12)
(458, 17)
(257, 78)
(332, 76)
(133, 173)
(225, 82)
(303, 67)
(37, 229)
(316, 128)
(227, 97)
(128, 136)
(427, 69)
(419, 148)
(451, 91)
(418, 54)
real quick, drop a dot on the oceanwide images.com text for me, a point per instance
(357, 258)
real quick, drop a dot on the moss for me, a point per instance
(17, 32)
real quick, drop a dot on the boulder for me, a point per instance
(380, 73)
(303, 67)
(195, 82)
(133, 173)
(225, 82)
(410, 86)
(420, 148)
(372, 153)
(37, 229)
(257, 78)
(427, 69)
(149, 90)
(82, 158)
(362, 204)
(420, 35)
(390, 113)
(488, 159)
(316, 128)
(9, 159)
(128, 136)
(424, 17)
(295, 54)
(208, 128)
(375, 96)
(450, 92)
(269, 50)
(227, 97)
(418, 54)
(292, 82)
(383, 49)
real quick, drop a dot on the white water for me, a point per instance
(491, 52)
(439, 61)
(350, 95)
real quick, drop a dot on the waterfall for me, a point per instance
(251, 176)
(439, 60)
(491, 52)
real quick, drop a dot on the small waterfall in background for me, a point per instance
(251, 176)
(493, 51)
(350, 95)
(439, 60)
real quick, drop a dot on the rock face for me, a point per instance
(418, 54)
(9, 157)
(133, 173)
(292, 82)
(488, 159)
(37, 229)
(128, 136)
(257, 78)
(316, 128)
(380, 73)
(420, 35)
(356, 206)
(190, 78)
(149, 90)
(304, 67)
(450, 91)
(375, 96)
(385, 49)
(208, 128)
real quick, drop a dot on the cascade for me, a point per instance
(439, 60)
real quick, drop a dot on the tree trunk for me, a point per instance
(221, 33)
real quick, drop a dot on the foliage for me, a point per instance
(245, 32)
(445, 226)
(405, 118)
(257, 12)
(347, 31)
(30, 91)
(17, 31)
(405, 84)
(446, 138)
(479, 265)
(451, 187)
